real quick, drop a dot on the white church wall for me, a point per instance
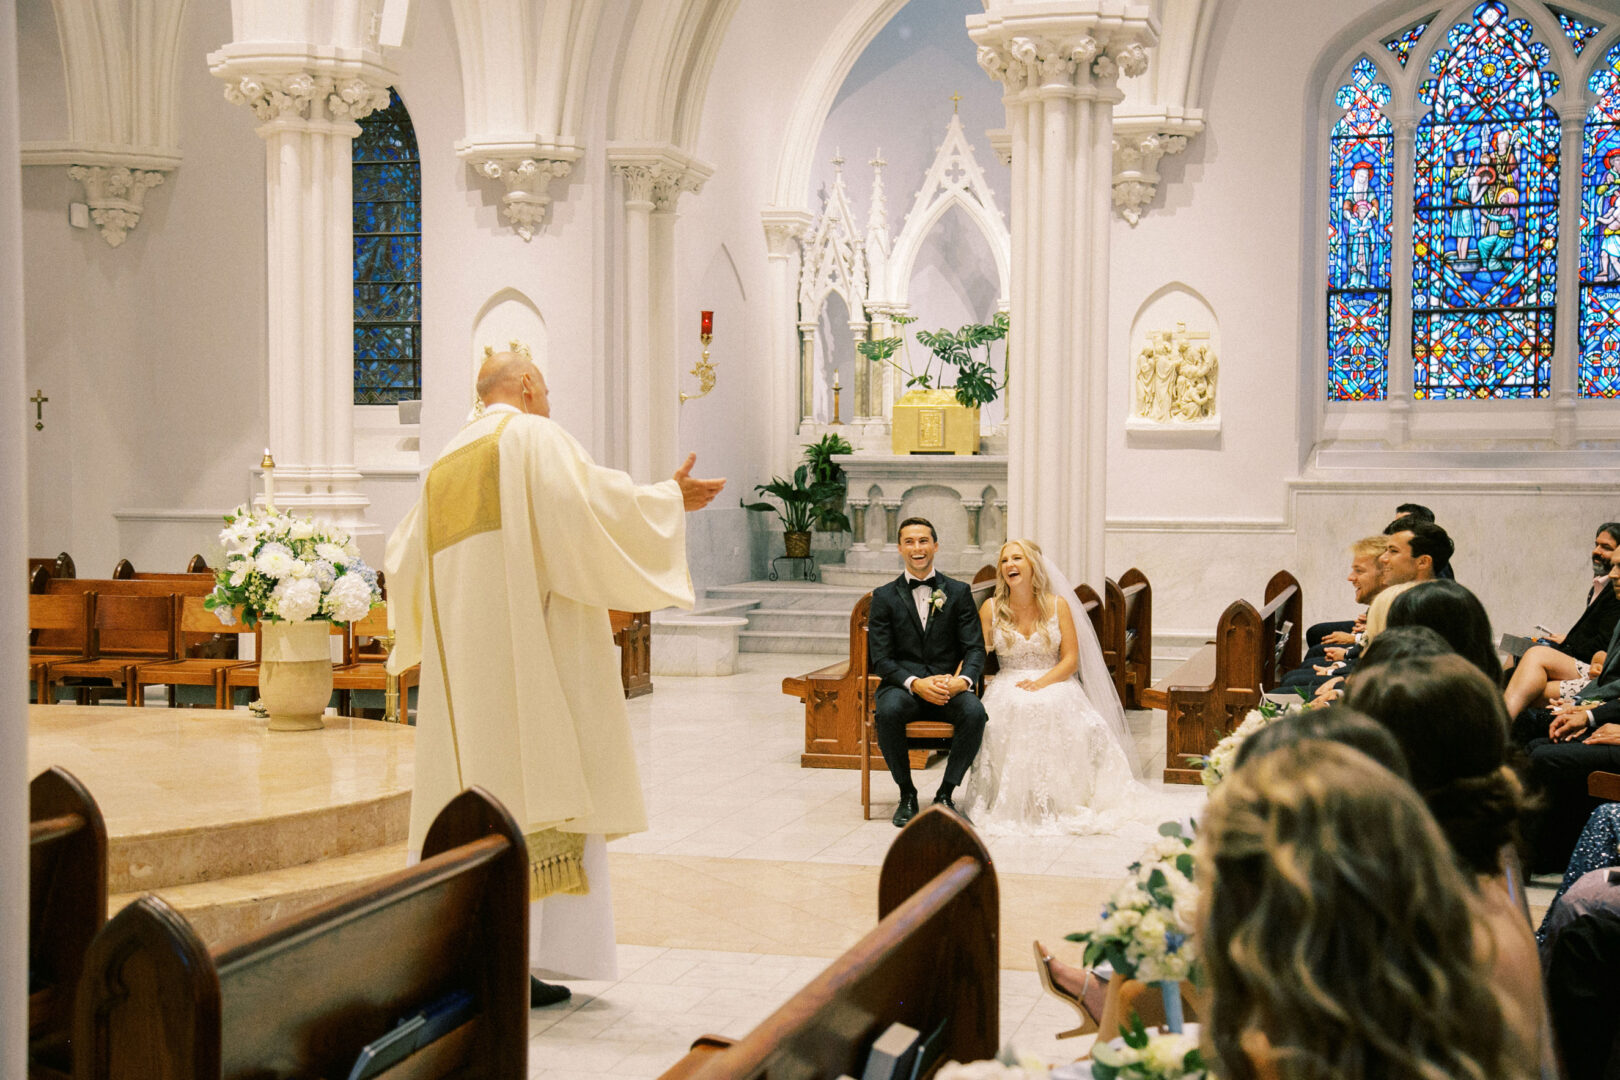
(153, 352)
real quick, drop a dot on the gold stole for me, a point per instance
(463, 499)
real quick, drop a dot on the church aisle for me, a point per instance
(755, 872)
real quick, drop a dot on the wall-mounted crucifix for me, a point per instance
(39, 399)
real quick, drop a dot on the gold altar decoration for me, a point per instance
(934, 422)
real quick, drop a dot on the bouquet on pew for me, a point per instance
(1147, 925)
(291, 569)
(1214, 765)
(1140, 1056)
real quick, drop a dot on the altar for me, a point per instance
(964, 496)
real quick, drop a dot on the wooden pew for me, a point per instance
(1130, 622)
(67, 903)
(125, 631)
(837, 700)
(58, 629)
(1208, 694)
(932, 958)
(300, 996)
(61, 566)
(632, 633)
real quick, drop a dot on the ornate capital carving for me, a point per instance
(1137, 153)
(355, 98)
(115, 195)
(1132, 58)
(780, 237)
(278, 97)
(526, 180)
(658, 182)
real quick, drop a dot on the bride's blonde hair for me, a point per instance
(1001, 612)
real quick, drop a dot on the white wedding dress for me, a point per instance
(1050, 764)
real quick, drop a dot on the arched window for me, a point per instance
(1361, 172)
(1485, 214)
(387, 258)
(1599, 374)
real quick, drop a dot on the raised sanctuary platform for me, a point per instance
(232, 824)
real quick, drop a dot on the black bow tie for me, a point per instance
(925, 583)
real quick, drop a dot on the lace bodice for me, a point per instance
(1039, 652)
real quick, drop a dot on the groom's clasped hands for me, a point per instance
(939, 689)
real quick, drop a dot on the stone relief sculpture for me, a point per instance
(1176, 376)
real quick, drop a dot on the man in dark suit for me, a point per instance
(925, 642)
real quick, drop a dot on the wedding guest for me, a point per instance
(1337, 938)
(1457, 615)
(1416, 551)
(1366, 579)
(1331, 723)
(1546, 671)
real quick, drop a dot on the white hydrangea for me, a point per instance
(301, 529)
(1166, 1053)
(275, 561)
(295, 600)
(323, 572)
(350, 599)
(331, 552)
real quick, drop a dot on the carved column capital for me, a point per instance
(115, 195)
(657, 174)
(356, 98)
(1139, 146)
(783, 228)
(279, 97)
(525, 180)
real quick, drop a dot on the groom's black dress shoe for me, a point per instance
(906, 810)
(945, 800)
(542, 994)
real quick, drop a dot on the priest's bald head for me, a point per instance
(509, 378)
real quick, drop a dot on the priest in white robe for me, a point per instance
(499, 582)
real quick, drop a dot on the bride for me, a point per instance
(1055, 756)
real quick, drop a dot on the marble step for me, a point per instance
(812, 595)
(817, 643)
(227, 907)
(798, 620)
(204, 852)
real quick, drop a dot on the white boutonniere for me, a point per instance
(936, 599)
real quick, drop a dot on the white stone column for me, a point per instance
(307, 106)
(807, 377)
(653, 178)
(1058, 63)
(1400, 287)
(782, 231)
(1566, 360)
(14, 600)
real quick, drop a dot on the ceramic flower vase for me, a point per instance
(295, 674)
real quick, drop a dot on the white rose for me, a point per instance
(1152, 927)
(275, 561)
(350, 598)
(332, 553)
(295, 600)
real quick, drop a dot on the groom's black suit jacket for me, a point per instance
(898, 646)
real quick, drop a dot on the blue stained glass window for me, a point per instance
(1599, 374)
(1577, 29)
(1485, 222)
(1401, 44)
(1361, 173)
(387, 258)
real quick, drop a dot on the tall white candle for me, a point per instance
(269, 467)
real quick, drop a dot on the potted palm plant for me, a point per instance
(802, 504)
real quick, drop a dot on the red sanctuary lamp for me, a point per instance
(703, 369)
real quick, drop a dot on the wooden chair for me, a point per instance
(301, 996)
(867, 688)
(632, 633)
(1132, 623)
(194, 624)
(124, 631)
(1208, 694)
(931, 962)
(198, 565)
(1604, 785)
(67, 904)
(367, 670)
(58, 629)
(61, 566)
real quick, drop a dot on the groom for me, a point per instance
(924, 641)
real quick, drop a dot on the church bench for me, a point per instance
(60, 566)
(67, 904)
(125, 571)
(1604, 785)
(124, 631)
(58, 629)
(196, 628)
(1208, 694)
(1130, 621)
(302, 995)
(632, 633)
(931, 960)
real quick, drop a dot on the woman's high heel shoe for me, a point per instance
(1043, 967)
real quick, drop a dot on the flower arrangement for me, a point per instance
(289, 569)
(1214, 765)
(1147, 925)
(1140, 1056)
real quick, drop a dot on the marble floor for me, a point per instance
(755, 872)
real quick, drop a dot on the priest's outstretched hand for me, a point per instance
(696, 494)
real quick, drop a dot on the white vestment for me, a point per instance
(499, 584)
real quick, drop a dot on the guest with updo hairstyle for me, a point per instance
(1337, 936)
(1332, 723)
(1452, 726)
(1404, 643)
(1457, 615)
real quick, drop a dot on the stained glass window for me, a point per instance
(1599, 374)
(1401, 44)
(1485, 221)
(387, 259)
(1361, 173)
(1577, 29)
